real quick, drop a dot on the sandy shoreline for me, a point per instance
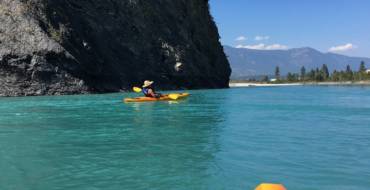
(349, 83)
(234, 85)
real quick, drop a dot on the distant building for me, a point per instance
(273, 80)
(368, 71)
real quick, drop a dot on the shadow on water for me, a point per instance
(98, 142)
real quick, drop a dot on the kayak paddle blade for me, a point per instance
(137, 89)
(173, 96)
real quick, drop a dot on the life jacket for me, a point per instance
(146, 92)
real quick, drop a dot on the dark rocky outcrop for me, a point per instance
(50, 47)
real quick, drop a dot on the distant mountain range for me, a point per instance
(248, 62)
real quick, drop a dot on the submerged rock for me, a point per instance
(50, 47)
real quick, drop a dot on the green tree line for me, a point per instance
(323, 75)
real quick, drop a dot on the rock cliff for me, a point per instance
(50, 47)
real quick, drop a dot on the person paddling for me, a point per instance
(148, 90)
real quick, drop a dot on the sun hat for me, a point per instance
(147, 83)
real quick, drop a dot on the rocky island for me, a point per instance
(50, 47)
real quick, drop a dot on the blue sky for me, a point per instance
(339, 26)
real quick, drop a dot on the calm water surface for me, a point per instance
(307, 138)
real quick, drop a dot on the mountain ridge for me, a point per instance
(250, 62)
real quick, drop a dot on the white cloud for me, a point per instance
(264, 47)
(260, 38)
(257, 46)
(276, 46)
(241, 38)
(239, 46)
(342, 48)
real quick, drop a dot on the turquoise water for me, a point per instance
(304, 137)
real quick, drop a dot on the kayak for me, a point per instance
(150, 99)
(270, 186)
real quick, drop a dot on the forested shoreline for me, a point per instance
(322, 74)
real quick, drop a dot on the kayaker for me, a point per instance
(149, 91)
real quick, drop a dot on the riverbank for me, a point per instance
(256, 84)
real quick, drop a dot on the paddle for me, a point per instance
(171, 96)
(137, 89)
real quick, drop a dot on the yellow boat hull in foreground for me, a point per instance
(149, 99)
(270, 186)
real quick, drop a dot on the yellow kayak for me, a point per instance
(270, 186)
(163, 98)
